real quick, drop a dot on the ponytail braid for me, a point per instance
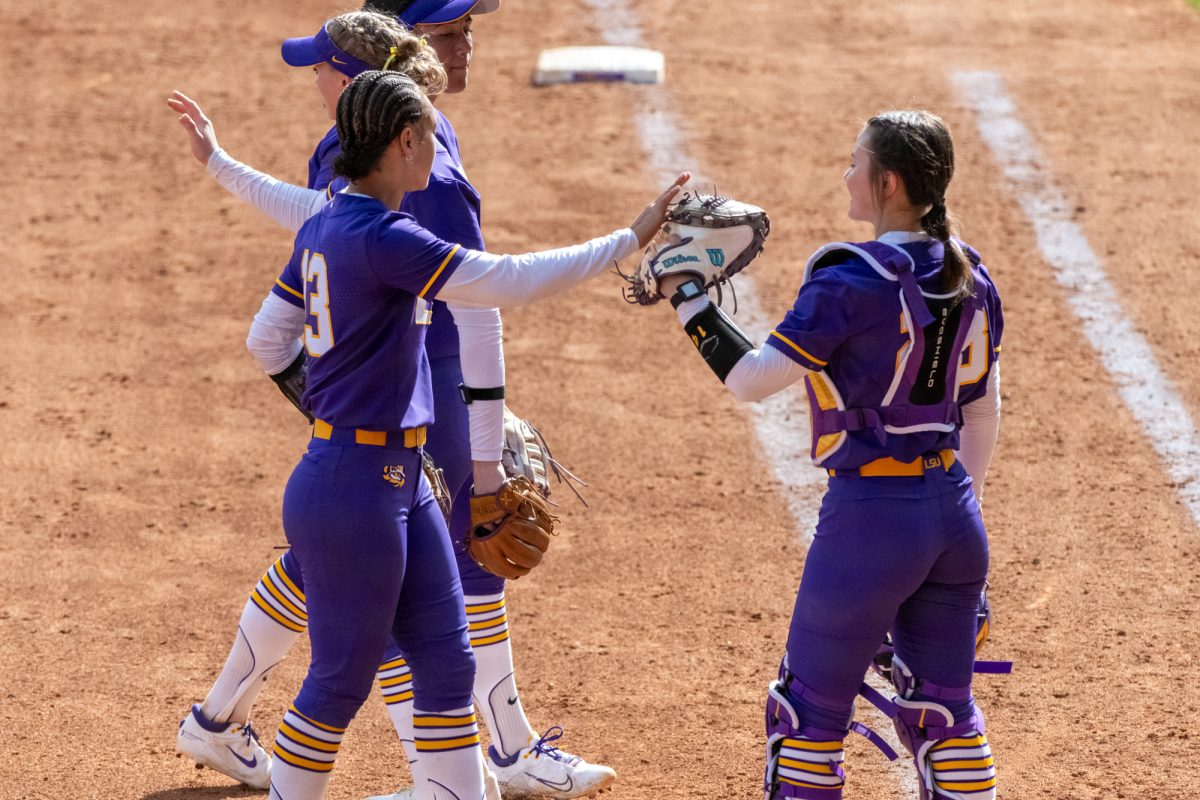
(916, 145)
(957, 277)
(373, 110)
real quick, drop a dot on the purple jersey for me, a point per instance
(320, 166)
(449, 208)
(363, 273)
(848, 325)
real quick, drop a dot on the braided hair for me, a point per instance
(384, 42)
(373, 110)
(916, 145)
(393, 7)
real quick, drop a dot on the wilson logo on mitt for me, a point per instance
(710, 237)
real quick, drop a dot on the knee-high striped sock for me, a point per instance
(495, 688)
(450, 761)
(274, 618)
(304, 754)
(395, 681)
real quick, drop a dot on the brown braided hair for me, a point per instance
(916, 145)
(373, 110)
(383, 42)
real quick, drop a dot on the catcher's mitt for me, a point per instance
(708, 236)
(437, 482)
(526, 453)
(511, 529)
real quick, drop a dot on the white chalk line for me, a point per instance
(1146, 391)
(781, 421)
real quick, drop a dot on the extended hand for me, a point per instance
(198, 127)
(655, 214)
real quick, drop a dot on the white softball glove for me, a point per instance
(527, 454)
(708, 236)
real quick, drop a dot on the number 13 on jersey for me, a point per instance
(318, 327)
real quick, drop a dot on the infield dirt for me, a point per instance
(146, 454)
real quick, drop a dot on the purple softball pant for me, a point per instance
(376, 564)
(906, 554)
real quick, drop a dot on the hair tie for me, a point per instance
(390, 58)
(424, 42)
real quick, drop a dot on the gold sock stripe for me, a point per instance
(303, 763)
(396, 664)
(306, 740)
(393, 699)
(283, 600)
(429, 721)
(804, 784)
(275, 615)
(435, 745)
(488, 623)
(479, 609)
(499, 637)
(399, 680)
(287, 580)
(313, 722)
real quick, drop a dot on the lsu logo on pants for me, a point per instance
(394, 475)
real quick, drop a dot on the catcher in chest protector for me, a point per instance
(905, 436)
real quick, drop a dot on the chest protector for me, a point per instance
(923, 394)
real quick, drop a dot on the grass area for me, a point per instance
(1194, 4)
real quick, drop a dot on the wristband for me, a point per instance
(470, 394)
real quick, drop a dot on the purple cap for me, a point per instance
(438, 12)
(308, 51)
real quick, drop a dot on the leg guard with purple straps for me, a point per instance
(953, 760)
(802, 762)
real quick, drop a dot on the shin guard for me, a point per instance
(953, 760)
(802, 762)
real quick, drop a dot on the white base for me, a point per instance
(606, 64)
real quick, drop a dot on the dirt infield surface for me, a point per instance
(146, 454)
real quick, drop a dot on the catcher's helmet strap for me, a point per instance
(470, 394)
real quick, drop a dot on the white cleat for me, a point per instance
(230, 749)
(542, 770)
(491, 791)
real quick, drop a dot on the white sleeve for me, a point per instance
(486, 280)
(481, 354)
(274, 338)
(285, 203)
(759, 373)
(980, 429)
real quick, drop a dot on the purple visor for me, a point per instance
(438, 12)
(311, 50)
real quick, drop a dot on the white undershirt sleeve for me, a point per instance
(981, 427)
(485, 280)
(274, 338)
(759, 373)
(285, 203)
(481, 354)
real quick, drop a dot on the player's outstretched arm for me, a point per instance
(199, 128)
(485, 280)
(286, 204)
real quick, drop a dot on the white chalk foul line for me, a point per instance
(780, 421)
(1146, 391)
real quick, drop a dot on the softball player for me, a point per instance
(273, 618)
(369, 542)
(897, 341)
(217, 732)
